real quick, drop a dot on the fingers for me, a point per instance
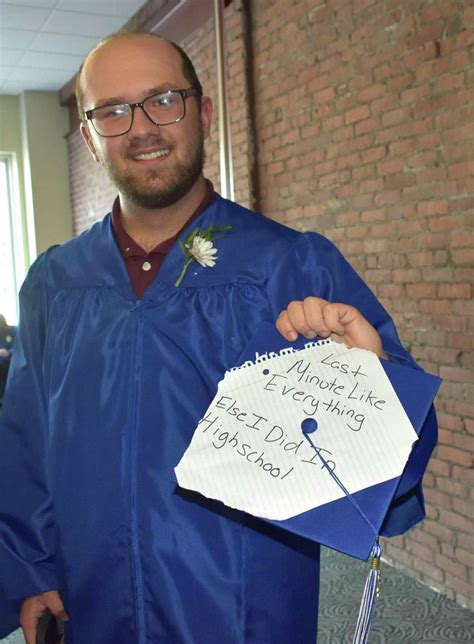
(338, 317)
(304, 318)
(30, 614)
(315, 317)
(33, 607)
(53, 601)
(285, 327)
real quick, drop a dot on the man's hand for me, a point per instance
(33, 607)
(314, 317)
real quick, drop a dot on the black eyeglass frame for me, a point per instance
(184, 93)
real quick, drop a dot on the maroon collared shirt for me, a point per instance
(143, 267)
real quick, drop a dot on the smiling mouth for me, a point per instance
(151, 155)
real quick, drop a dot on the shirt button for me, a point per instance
(146, 266)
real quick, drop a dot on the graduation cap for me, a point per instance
(313, 437)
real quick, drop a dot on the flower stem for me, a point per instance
(183, 272)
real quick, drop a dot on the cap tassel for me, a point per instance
(371, 592)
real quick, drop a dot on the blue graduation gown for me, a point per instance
(103, 397)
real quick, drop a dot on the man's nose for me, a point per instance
(141, 122)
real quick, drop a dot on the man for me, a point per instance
(115, 365)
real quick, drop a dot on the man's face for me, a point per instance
(152, 166)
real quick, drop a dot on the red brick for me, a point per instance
(370, 93)
(439, 467)
(389, 166)
(465, 556)
(462, 41)
(452, 488)
(456, 569)
(459, 291)
(435, 306)
(394, 117)
(466, 508)
(462, 238)
(423, 258)
(445, 437)
(406, 275)
(388, 198)
(469, 422)
(415, 94)
(382, 72)
(348, 161)
(427, 568)
(373, 154)
(400, 83)
(439, 207)
(454, 455)
(342, 133)
(332, 123)
(420, 551)
(440, 499)
(357, 114)
(456, 521)
(438, 530)
(367, 125)
(464, 442)
(371, 185)
(460, 586)
(418, 291)
(460, 170)
(403, 147)
(373, 215)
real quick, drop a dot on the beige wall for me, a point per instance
(46, 178)
(32, 128)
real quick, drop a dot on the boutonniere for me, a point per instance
(198, 247)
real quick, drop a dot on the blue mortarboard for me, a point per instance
(341, 524)
(352, 522)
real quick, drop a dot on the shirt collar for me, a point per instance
(129, 247)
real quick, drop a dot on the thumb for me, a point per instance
(53, 601)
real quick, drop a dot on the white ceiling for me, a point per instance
(43, 42)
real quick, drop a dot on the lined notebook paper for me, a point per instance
(249, 450)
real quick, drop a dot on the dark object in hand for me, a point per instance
(50, 630)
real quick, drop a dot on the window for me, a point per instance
(11, 245)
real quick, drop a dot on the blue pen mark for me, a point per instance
(266, 372)
(309, 425)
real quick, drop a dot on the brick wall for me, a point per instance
(355, 118)
(365, 132)
(92, 192)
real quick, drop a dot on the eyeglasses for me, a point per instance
(163, 108)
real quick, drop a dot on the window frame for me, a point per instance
(15, 226)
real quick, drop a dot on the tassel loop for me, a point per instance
(375, 566)
(371, 592)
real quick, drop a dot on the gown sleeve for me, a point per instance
(314, 266)
(26, 517)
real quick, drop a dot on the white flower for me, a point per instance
(198, 247)
(203, 251)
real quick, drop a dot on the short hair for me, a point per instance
(188, 68)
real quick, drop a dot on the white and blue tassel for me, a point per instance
(371, 592)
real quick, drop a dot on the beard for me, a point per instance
(161, 189)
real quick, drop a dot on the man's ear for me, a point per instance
(86, 135)
(206, 115)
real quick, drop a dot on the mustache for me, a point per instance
(146, 141)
